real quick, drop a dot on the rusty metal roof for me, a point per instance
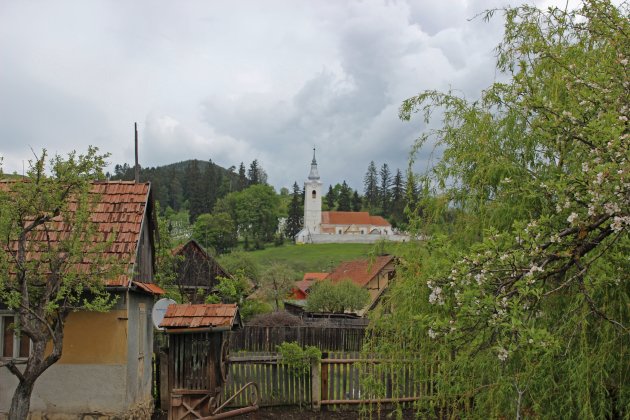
(150, 288)
(206, 316)
(360, 271)
(118, 217)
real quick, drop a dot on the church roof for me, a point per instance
(352, 218)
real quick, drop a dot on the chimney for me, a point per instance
(137, 167)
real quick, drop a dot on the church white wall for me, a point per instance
(324, 238)
(312, 206)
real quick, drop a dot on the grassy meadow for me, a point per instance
(316, 257)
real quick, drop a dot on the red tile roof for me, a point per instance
(308, 280)
(217, 315)
(118, 217)
(360, 271)
(314, 276)
(352, 218)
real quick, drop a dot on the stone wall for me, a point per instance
(354, 239)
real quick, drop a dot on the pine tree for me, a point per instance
(345, 200)
(370, 183)
(253, 173)
(242, 182)
(296, 212)
(384, 190)
(211, 187)
(397, 208)
(330, 198)
(196, 191)
(357, 202)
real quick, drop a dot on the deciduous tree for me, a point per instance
(524, 297)
(344, 296)
(42, 281)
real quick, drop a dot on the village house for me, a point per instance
(374, 275)
(106, 366)
(339, 226)
(197, 271)
(302, 288)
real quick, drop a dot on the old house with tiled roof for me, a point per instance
(106, 364)
(374, 275)
(197, 271)
(339, 226)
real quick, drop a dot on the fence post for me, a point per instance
(165, 392)
(316, 390)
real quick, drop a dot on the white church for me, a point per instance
(339, 226)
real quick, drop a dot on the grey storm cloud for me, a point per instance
(235, 81)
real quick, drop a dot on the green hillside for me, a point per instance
(316, 257)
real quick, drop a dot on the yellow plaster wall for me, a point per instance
(95, 337)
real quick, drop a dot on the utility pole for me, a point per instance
(137, 167)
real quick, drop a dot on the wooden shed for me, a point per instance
(197, 271)
(198, 352)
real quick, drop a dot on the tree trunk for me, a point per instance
(21, 401)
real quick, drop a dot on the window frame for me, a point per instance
(17, 339)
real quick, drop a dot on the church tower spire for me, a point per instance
(313, 200)
(314, 175)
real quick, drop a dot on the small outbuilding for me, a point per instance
(198, 356)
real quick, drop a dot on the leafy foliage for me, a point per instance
(216, 231)
(521, 292)
(297, 358)
(338, 297)
(277, 282)
(42, 280)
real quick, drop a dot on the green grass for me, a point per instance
(314, 257)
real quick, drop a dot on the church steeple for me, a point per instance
(314, 175)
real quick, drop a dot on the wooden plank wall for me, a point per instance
(265, 339)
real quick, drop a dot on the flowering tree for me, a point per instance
(521, 294)
(48, 239)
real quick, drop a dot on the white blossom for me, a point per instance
(432, 333)
(436, 296)
(572, 217)
(503, 354)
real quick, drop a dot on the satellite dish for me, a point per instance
(159, 309)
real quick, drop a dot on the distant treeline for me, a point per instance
(197, 185)
(194, 184)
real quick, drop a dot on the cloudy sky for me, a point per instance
(235, 81)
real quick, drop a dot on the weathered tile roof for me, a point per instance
(118, 216)
(360, 271)
(308, 280)
(314, 276)
(217, 315)
(352, 218)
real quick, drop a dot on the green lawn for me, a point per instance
(314, 257)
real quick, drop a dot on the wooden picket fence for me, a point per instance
(266, 339)
(277, 383)
(339, 380)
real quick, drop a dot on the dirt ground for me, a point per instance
(281, 413)
(295, 414)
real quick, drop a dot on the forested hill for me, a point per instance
(199, 183)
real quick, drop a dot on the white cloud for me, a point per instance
(234, 81)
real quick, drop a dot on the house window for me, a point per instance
(12, 344)
(314, 194)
